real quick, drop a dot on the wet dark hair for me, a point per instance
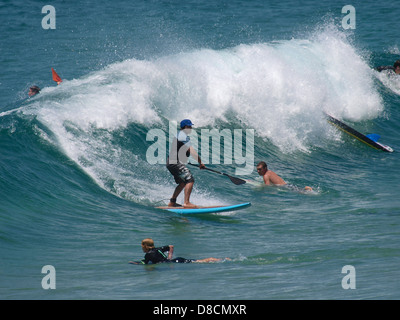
(35, 89)
(263, 164)
(396, 64)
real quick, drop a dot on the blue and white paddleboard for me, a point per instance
(200, 209)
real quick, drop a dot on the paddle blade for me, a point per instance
(235, 180)
(56, 77)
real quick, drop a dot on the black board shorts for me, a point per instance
(181, 173)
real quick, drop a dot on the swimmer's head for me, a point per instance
(147, 244)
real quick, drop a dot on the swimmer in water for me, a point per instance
(34, 90)
(395, 68)
(271, 178)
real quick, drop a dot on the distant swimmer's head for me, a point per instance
(33, 91)
(396, 67)
(262, 168)
(147, 244)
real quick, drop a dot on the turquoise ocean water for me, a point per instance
(77, 191)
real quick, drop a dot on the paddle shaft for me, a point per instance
(208, 169)
(233, 179)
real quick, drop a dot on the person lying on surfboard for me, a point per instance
(180, 151)
(157, 255)
(270, 177)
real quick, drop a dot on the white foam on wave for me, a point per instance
(279, 88)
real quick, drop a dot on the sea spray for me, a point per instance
(278, 89)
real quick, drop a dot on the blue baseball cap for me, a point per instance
(186, 122)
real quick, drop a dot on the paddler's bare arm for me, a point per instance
(195, 156)
(170, 252)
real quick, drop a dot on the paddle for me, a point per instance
(235, 180)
